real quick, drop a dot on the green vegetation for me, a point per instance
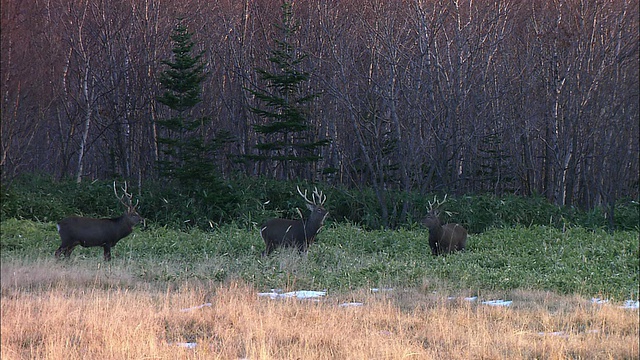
(514, 243)
(591, 263)
(248, 201)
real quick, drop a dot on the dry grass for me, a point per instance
(55, 312)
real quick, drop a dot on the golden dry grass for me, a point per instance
(56, 312)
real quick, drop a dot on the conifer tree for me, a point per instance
(186, 154)
(288, 139)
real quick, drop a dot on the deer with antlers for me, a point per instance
(296, 233)
(443, 239)
(89, 232)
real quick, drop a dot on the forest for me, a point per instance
(519, 117)
(460, 97)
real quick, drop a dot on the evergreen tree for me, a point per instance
(186, 153)
(288, 139)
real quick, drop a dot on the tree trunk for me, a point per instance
(87, 121)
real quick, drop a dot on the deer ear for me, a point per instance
(311, 207)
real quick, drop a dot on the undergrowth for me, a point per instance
(248, 201)
(577, 260)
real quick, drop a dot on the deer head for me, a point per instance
(433, 212)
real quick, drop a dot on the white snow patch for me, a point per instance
(375, 290)
(470, 298)
(351, 304)
(630, 304)
(302, 294)
(498, 302)
(196, 307)
(554, 333)
(564, 334)
(487, 302)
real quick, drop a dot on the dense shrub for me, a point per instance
(249, 201)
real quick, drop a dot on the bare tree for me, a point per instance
(426, 95)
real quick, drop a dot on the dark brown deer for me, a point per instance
(90, 232)
(296, 233)
(443, 239)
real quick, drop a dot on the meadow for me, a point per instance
(427, 307)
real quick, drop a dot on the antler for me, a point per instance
(436, 202)
(128, 203)
(318, 197)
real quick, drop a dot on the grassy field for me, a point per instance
(131, 307)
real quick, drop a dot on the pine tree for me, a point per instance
(287, 136)
(186, 153)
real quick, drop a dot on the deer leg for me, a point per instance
(68, 250)
(434, 248)
(267, 249)
(65, 250)
(107, 252)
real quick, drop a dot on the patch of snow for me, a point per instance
(302, 294)
(555, 333)
(351, 304)
(498, 302)
(272, 294)
(375, 290)
(564, 334)
(196, 307)
(306, 294)
(471, 298)
(630, 304)
(188, 345)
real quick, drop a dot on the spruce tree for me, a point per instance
(182, 141)
(288, 139)
(187, 153)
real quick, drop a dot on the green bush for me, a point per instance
(249, 201)
(345, 256)
(41, 198)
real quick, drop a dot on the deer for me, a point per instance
(296, 233)
(90, 232)
(443, 239)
